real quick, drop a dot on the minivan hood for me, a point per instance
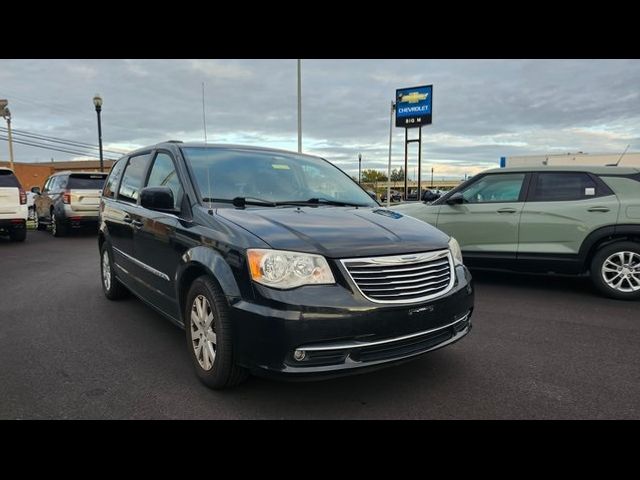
(338, 232)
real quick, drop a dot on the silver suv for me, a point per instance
(69, 200)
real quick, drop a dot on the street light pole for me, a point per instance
(359, 168)
(299, 109)
(97, 102)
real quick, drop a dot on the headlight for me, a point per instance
(282, 269)
(456, 253)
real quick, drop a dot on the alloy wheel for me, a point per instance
(106, 270)
(54, 227)
(203, 337)
(621, 271)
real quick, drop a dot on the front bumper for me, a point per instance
(340, 332)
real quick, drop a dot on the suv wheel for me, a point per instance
(58, 229)
(615, 270)
(18, 235)
(36, 221)
(111, 287)
(209, 335)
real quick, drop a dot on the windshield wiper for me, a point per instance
(242, 201)
(323, 201)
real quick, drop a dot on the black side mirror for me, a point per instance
(157, 198)
(455, 199)
(35, 190)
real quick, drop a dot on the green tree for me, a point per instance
(371, 175)
(397, 175)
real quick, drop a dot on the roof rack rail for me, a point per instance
(174, 141)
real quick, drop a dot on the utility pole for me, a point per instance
(359, 168)
(431, 177)
(4, 112)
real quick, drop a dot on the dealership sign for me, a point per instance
(413, 106)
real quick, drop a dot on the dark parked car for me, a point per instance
(395, 196)
(430, 196)
(68, 200)
(277, 263)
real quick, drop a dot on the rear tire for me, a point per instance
(18, 235)
(615, 270)
(36, 220)
(58, 229)
(111, 286)
(209, 335)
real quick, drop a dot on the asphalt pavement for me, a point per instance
(541, 348)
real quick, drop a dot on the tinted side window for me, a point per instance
(561, 186)
(132, 179)
(495, 188)
(53, 185)
(86, 182)
(8, 179)
(113, 179)
(163, 174)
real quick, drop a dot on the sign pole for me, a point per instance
(406, 145)
(419, 162)
(389, 166)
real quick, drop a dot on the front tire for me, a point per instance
(111, 286)
(209, 336)
(615, 270)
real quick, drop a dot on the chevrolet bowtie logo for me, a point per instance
(413, 97)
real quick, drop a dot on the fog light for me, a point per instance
(299, 355)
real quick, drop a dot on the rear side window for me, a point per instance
(8, 179)
(114, 178)
(132, 179)
(566, 186)
(85, 182)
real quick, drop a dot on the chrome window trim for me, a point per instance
(352, 345)
(148, 268)
(400, 260)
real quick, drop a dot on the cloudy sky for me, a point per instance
(482, 109)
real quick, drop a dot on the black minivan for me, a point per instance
(277, 263)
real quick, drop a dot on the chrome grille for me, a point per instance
(402, 278)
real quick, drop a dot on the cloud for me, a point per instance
(483, 109)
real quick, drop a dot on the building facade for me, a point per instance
(35, 174)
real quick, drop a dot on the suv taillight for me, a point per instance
(23, 197)
(66, 197)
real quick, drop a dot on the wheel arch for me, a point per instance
(200, 261)
(606, 236)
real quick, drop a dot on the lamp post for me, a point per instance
(4, 112)
(97, 101)
(359, 168)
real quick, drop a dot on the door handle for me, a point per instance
(127, 219)
(507, 210)
(136, 223)
(598, 209)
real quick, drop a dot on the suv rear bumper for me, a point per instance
(13, 224)
(354, 338)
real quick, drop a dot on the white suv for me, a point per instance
(13, 206)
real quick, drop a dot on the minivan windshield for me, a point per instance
(271, 178)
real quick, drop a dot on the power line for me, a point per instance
(47, 138)
(49, 147)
